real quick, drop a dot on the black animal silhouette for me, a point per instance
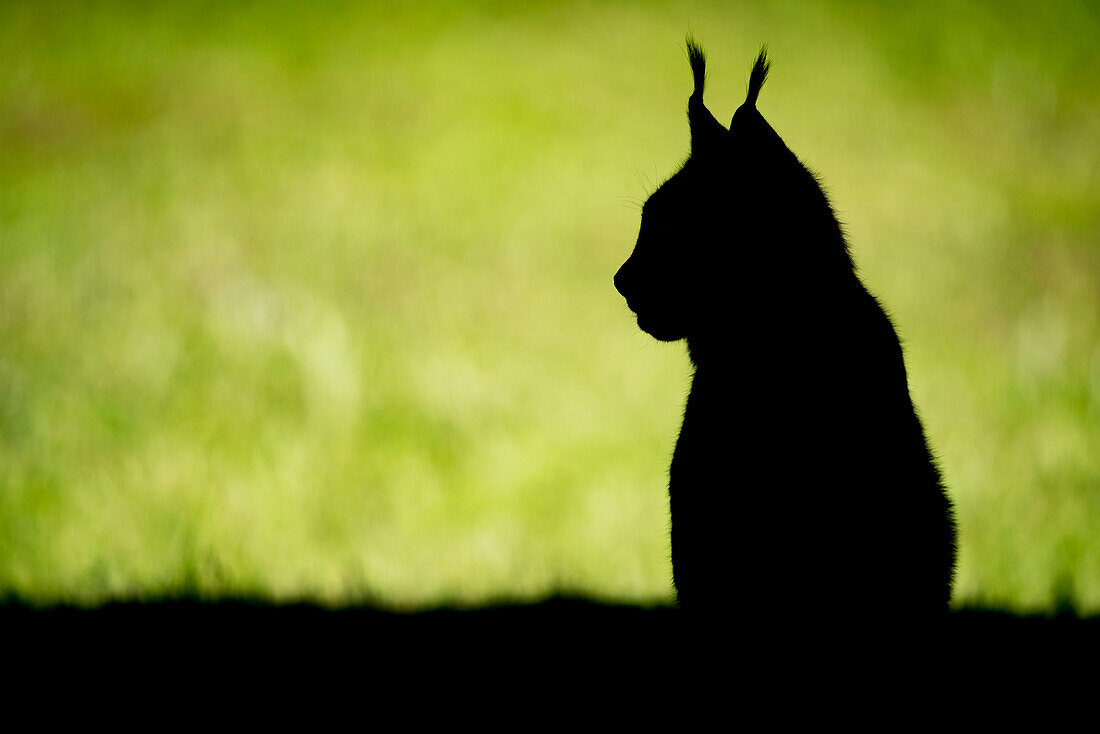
(801, 481)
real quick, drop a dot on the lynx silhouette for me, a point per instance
(801, 480)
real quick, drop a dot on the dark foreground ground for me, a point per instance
(505, 627)
(527, 662)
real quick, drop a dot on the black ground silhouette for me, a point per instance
(532, 661)
(801, 482)
(559, 632)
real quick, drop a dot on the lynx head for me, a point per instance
(718, 228)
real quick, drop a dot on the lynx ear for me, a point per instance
(706, 131)
(745, 115)
(749, 128)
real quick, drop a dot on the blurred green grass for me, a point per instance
(315, 299)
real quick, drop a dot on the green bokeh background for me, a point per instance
(314, 299)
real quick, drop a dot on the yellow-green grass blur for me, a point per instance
(314, 300)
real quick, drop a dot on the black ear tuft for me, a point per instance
(706, 132)
(698, 61)
(757, 77)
